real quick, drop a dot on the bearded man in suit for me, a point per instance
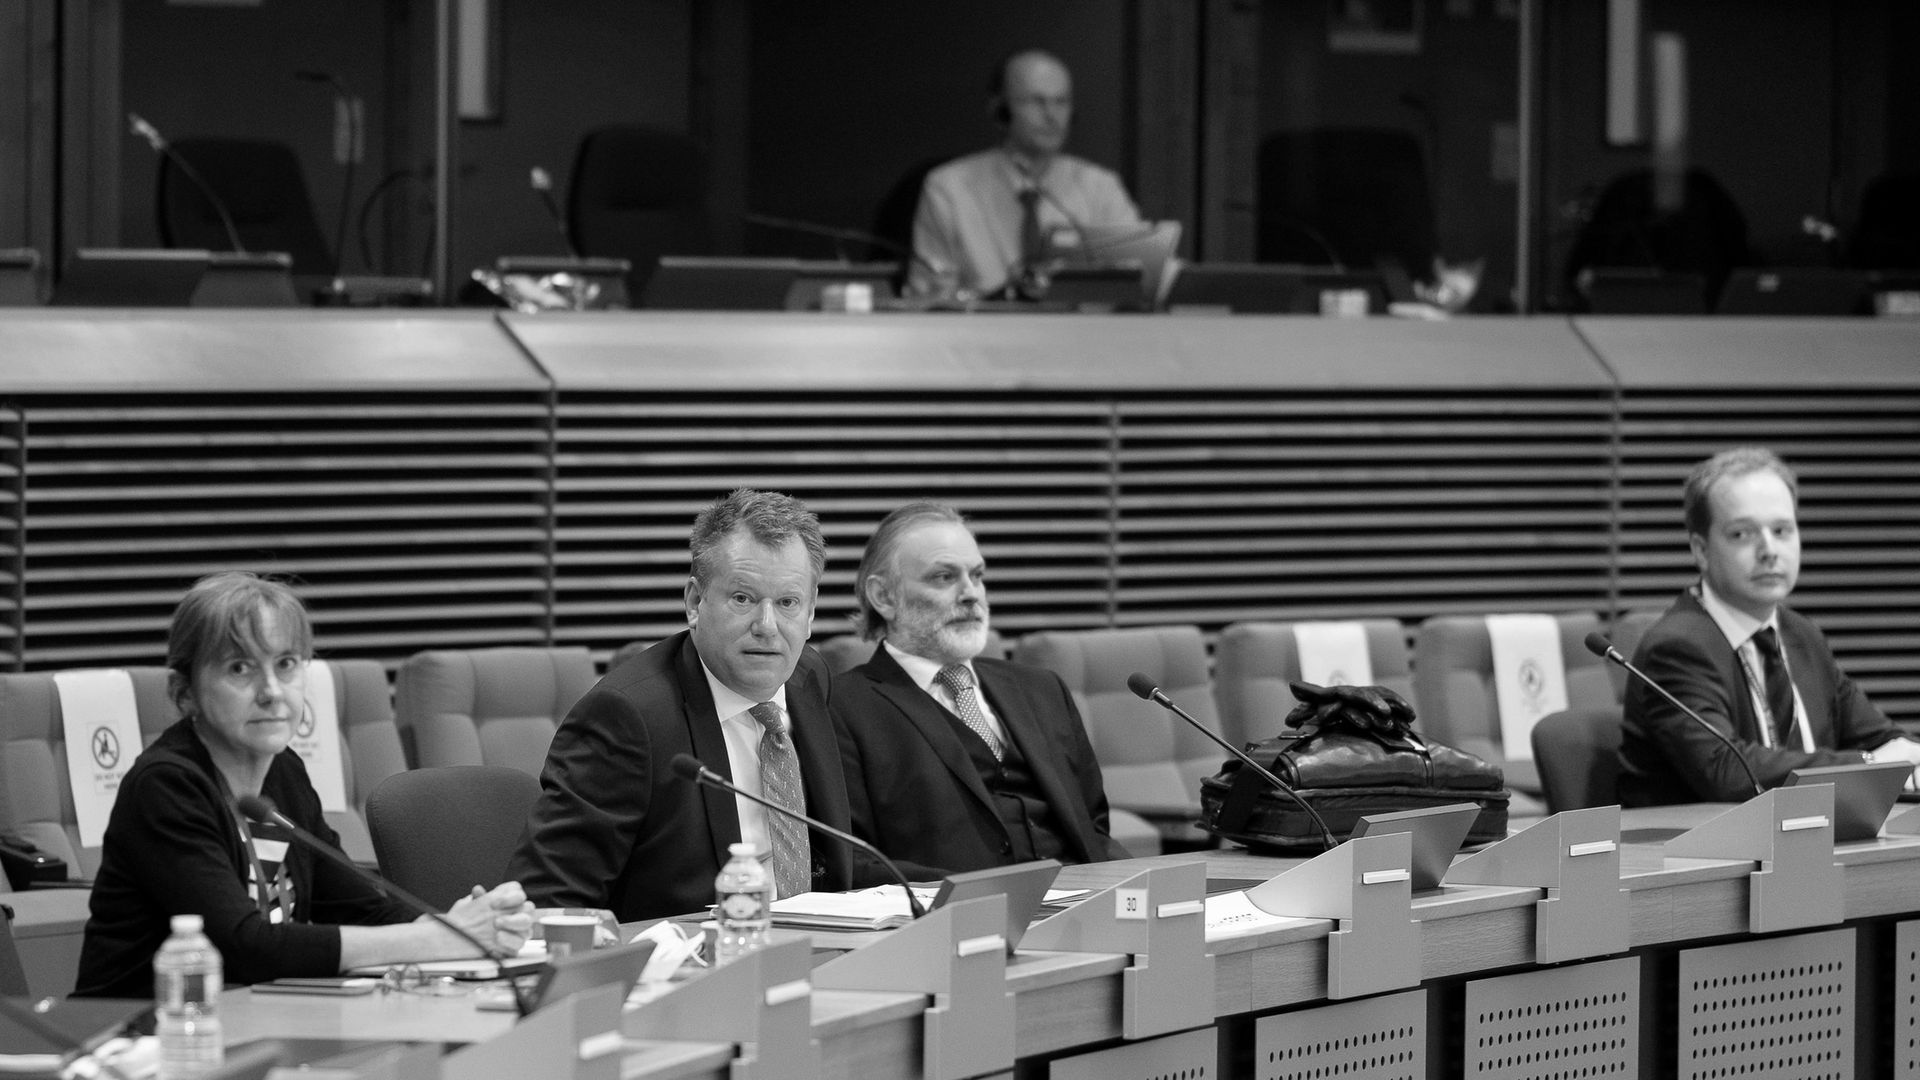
(954, 761)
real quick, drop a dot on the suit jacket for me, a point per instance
(915, 793)
(1667, 758)
(616, 828)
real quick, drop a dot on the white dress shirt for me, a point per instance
(743, 734)
(925, 674)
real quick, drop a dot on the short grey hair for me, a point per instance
(769, 517)
(878, 558)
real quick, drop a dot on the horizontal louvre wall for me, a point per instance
(1857, 453)
(1032, 470)
(408, 520)
(12, 522)
(1362, 504)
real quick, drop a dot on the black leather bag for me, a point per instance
(1349, 751)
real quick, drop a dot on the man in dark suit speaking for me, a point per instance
(615, 827)
(1733, 650)
(955, 762)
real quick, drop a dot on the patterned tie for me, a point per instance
(1033, 242)
(780, 783)
(1779, 683)
(958, 679)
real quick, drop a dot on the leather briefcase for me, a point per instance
(1349, 751)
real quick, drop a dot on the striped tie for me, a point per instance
(780, 783)
(958, 679)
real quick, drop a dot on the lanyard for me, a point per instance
(1757, 692)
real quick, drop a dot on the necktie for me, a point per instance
(780, 783)
(958, 679)
(1033, 242)
(1779, 683)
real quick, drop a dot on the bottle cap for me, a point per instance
(187, 924)
(743, 850)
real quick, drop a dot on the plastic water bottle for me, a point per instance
(187, 979)
(743, 895)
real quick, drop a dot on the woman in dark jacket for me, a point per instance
(175, 844)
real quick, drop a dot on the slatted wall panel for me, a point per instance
(12, 517)
(409, 520)
(1858, 457)
(633, 469)
(1358, 503)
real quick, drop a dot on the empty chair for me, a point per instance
(261, 184)
(495, 706)
(1456, 700)
(36, 797)
(439, 832)
(1887, 235)
(371, 741)
(1345, 196)
(1254, 662)
(1706, 234)
(1151, 763)
(638, 193)
(1578, 755)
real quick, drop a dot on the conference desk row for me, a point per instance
(1789, 957)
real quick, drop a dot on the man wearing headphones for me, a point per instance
(987, 221)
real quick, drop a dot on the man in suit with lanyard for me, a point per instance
(953, 761)
(614, 826)
(1732, 650)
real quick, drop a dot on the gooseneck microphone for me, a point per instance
(542, 183)
(262, 810)
(1598, 645)
(1143, 687)
(72, 1051)
(138, 125)
(689, 767)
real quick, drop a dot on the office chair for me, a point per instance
(439, 832)
(638, 193)
(263, 187)
(1887, 234)
(1707, 235)
(1455, 697)
(36, 798)
(1151, 763)
(495, 706)
(1578, 755)
(1627, 630)
(893, 217)
(1254, 662)
(1346, 196)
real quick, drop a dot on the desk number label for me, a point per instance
(1130, 903)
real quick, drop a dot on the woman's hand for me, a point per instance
(501, 918)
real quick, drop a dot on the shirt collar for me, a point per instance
(922, 670)
(727, 704)
(1738, 626)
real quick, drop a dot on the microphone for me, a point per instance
(688, 767)
(1598, 645)
(72, 1051)
(138, 125)
(542, 182)
(263, 810)
(1143, 687)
